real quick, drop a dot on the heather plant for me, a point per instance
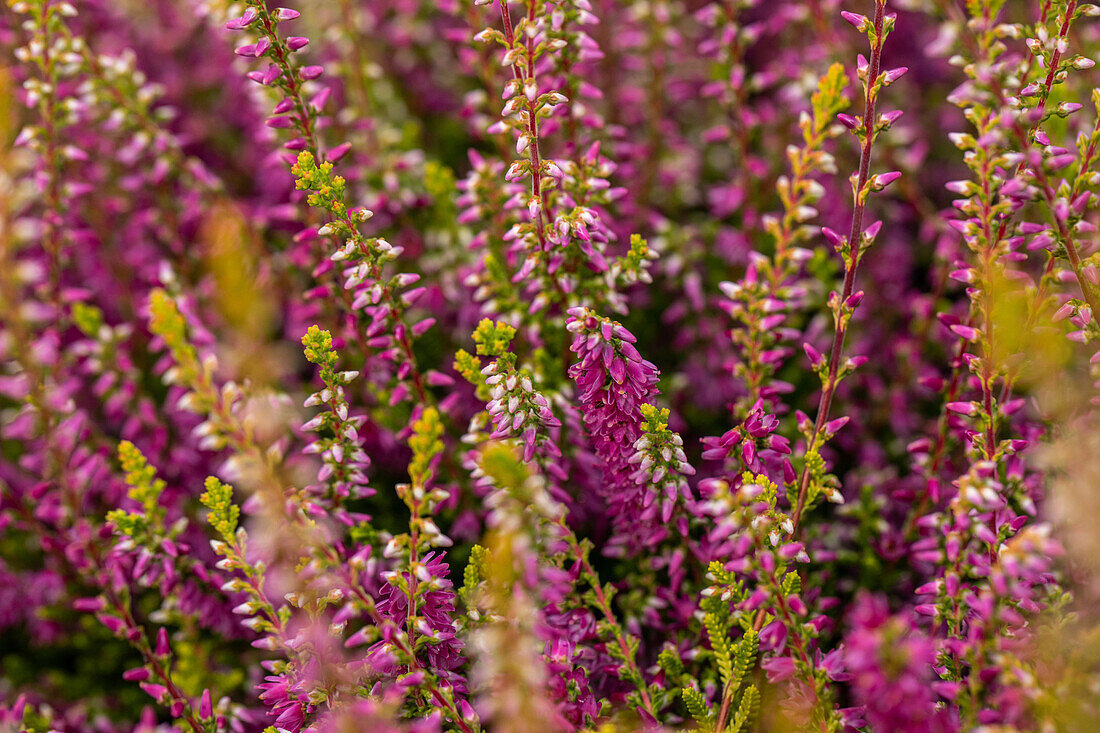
(549, 365)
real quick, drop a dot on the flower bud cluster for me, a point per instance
(342, 475)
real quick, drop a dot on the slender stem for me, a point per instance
(854, 246)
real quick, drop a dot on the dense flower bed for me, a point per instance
(549, 365)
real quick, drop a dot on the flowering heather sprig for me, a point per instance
(310, 675)
(621, 645)
(344, 462)
(613, 382)
(263, 617)
(105, 90)
(482, 199)
(53, 54)
(890, 666)
(525, 106)
(763, 550)
(754, 445)
(301, 681)
(384, 299)
(575, 61)
(566, 658)
(1053, 58)
(146, 525)
(516, 408)
(283, 73)
(154, 554)
(661, 461)
(994, 498)
(560, 246)
(851, 248)
(144, 532)
(740, 703)
(991, 567)
(393, 655)
(155, 676)
(990, 225)
(225, 423)
(417, 600)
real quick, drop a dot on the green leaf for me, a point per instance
(719, 643)
(697, 706)
(669, 661)
(224, 514)
(829, 99)
(746, 711)
(746, 657)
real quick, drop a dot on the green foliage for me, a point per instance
(328, 190)
(474, 572)
(493, 339)
(633, 266)
(145, 489)
(318, 350)
(734, 660)
(655, 419)
(792, 584)
(363, 533)
(197, 666)
(168, 323)
(747, 711)
(697, 706)
(744, 657)
(717, 632)
(439, 183)
(639, 252)
(87, 318)
(627, 672)
(426, 444)
(821, 483)
(224, 514)
(503, 466)
(669, 661)
(827, 101)
(771, 490)
(469, 366)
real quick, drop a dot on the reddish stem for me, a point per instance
(854, 242)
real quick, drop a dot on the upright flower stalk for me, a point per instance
(851, 248)
(293, 110)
